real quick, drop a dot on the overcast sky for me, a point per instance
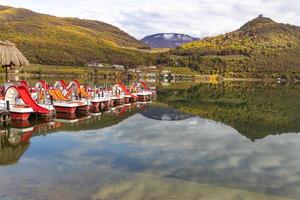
(143, 17)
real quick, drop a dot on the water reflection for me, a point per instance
(12, 146)
(256, 110)
(15, 136)
(155, 152)
(164, 113)
(210, 152)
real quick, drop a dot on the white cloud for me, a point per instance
(195, 17)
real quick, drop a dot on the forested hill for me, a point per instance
(260, 48)
(48, 39)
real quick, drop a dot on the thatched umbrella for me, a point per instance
(11, 56)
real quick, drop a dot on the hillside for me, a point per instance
(261, 48)
(167, 40)
(68, 41)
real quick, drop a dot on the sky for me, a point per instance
(198, 18)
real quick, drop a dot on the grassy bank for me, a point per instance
(180, 70)
(180, 73)
(63, 70)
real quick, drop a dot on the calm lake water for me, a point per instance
(198, 141)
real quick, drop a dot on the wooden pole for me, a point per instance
(6, 74)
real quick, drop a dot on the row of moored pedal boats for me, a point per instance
(22, 100)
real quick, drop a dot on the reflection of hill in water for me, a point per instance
(149, 187)
(164, 114)
(256, 110)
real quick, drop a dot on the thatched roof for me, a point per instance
(11, 56)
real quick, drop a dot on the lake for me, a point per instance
(236, 140)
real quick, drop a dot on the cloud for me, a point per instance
(195, 17)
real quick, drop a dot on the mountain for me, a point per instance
(261, 48)
(48, 39)
(167, 40)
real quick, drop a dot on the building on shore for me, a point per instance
(152, 67)
(95, 65)
(119, 67)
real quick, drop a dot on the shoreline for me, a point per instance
(176, 77)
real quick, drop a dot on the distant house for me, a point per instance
(119, 67)
(166, 72)
(151, 75)
(95, 64)
(152, 67)
(142, 68)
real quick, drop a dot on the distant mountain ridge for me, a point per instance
(47, 39)
(167, 40)
(261, 48)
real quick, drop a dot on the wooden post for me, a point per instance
(6, 74)
(51, 100)
(7, 106)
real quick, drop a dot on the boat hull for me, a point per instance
(95, 107)
(144, 98)
(84, 108)
(19, 116)
(118, 102)
(105, 106)
(128, 100)
(62, 109)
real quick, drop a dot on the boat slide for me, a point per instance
(126, 91)
(21, 104)
(27, 99)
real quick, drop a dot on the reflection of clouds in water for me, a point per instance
(193, 149)
(92, 137)
(205, 151)
(143, 186)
